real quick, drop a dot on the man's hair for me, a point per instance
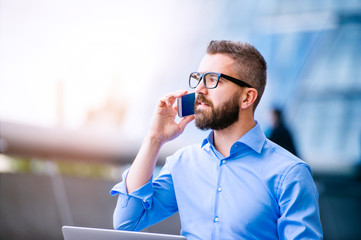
(250, 65)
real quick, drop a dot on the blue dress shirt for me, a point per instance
(259, 191)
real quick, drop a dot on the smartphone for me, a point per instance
(185, 105)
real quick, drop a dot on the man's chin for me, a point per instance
(202, 127)
(201, 122)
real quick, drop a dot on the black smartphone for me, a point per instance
(185, 105)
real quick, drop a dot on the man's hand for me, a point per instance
(164, 127)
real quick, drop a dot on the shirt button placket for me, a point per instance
(219, 189)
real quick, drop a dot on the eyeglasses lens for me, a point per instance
(194, 79)
(211, 80)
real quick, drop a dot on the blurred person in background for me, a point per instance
(280, 133)
(236, 184)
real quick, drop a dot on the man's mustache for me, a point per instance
(202, 98)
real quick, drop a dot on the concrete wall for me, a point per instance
(35, 207)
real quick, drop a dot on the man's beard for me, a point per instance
(217, 118)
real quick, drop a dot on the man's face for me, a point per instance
(216, 118)
(217, 108)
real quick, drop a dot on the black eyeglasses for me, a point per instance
(211, 79)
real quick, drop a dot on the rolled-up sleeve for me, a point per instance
(149, 204)
(144, 193)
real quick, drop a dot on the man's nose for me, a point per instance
(201, 88)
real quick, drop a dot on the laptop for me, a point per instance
(83, 233)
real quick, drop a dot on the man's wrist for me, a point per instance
(154, 140)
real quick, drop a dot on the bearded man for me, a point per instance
(236, 184)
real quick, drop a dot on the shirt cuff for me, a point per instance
(144, 193)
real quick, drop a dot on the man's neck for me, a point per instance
(225, 138)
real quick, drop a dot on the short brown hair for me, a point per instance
(250, 64)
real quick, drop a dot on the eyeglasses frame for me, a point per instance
(220, 75)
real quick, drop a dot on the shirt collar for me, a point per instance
(208, 140)
(254, 138)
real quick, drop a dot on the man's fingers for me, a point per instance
(184, 122)
(162, 102)
(170, 98)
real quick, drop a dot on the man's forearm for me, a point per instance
(143, 166)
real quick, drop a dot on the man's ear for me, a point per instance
(249, 96)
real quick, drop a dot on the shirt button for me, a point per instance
(144, 200)
(224, 161)
(216, 219)
(219, 189)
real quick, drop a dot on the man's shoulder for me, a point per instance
(281, 157)
(275, 149)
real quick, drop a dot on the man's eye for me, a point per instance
(212, 78)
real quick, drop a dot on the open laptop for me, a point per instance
(82, 233)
